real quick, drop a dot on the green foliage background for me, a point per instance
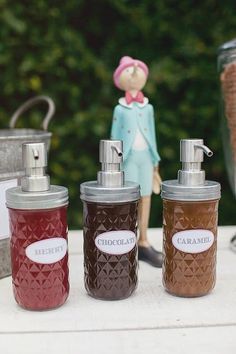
(69, 49)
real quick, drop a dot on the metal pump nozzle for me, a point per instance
(117, 150)
(191, 184)
(111, 157)
(191, 156)
(35, 163)
(207, 151)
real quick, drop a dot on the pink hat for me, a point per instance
(125, 62)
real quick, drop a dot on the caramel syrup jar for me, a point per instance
(190, 215)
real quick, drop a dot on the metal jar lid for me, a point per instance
(191, 184)
(55, 197)
(227, 46)
(94, 192)
(226, 54)
(173, 190)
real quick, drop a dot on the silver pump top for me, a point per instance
(110, 186)
(35, 163)
(191, 156)
(35, 191)
(191, 184)
(111, 157)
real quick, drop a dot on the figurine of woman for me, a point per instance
(133, 123)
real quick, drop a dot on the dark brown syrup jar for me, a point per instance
(110, 208)
(110, 249)
(190, 215)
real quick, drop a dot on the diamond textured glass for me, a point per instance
(39, 286)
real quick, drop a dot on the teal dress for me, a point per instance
(138, 164)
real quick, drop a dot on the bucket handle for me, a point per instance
(30, 103)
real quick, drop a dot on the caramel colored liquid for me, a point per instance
(109, 276)
(189, 274)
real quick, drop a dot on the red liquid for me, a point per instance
(38, 286)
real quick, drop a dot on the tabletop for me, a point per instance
(150, 321)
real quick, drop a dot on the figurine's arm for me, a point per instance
(116, 123)
(156, 185)
(156, 158)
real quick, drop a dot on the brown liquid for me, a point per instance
(189, 274)
(228, 85)
(106, 276)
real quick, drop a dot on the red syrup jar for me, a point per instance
(38, 231)
(39, 286)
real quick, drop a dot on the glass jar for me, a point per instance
(190, 215)
(39, 257)
(110, 249)
(189, 246)
(227, 71)
(38, 230)
(110, 209)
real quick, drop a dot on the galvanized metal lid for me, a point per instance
(173, 190)
(94, 192)
(227, 45)
(55, 197)
(191, 184)
(226, 54)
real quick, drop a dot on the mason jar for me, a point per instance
(227, 73)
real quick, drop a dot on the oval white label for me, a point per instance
(47, 251)
(193, 241)
(116, 242)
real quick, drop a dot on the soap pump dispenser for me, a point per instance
(110, 207)
(38, 228)
(190, 214)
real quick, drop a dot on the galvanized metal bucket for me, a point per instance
(11, 140)
(11, 167)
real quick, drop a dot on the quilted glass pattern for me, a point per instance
(188, 274)
(109, 277)
(38, 286)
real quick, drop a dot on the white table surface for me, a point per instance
(150, 321)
